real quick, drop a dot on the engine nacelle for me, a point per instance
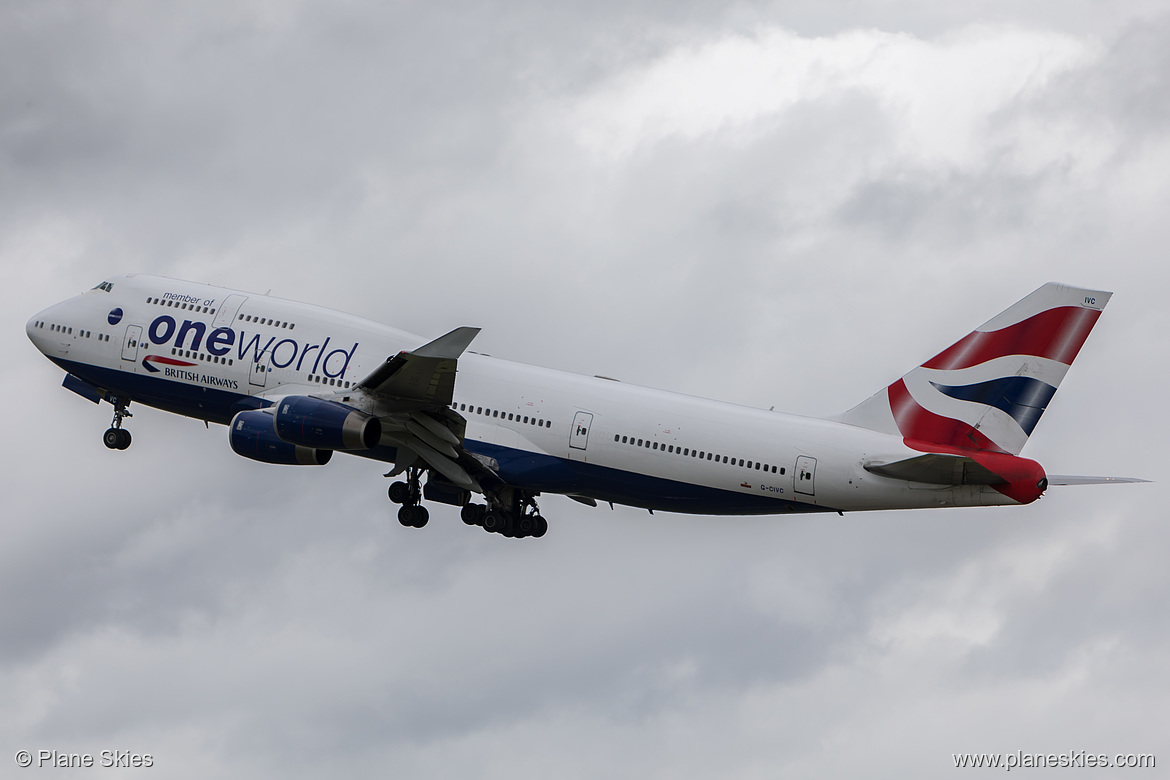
(311, 422)
(252, 435)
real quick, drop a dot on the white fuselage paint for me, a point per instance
(78, 335)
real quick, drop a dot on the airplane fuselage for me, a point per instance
(208, 352)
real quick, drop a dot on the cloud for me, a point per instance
(773, 205)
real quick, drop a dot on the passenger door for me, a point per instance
(130, 345)
(579, 435)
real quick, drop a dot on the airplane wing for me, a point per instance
(423, 378)
(411, 393)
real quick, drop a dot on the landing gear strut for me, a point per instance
(116, 437)
(409, 493)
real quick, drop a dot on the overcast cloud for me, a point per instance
(784, 204)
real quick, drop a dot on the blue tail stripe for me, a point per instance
(1022, 397)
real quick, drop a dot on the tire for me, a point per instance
(471, 514)
(111, 438)
(406, 515)
(493, 522)
(399, 492)
(124, 438)
(524, 526)
(539, 527)
(421, 516)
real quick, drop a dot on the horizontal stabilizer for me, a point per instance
(937, 469)
(1065, 479)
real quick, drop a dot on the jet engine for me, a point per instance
(311, 422)
(252, 435)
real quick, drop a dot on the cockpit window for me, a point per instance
(107, 286)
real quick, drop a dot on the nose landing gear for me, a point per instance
(116, 437)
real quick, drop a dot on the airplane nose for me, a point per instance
(37, 330)
(31, 328)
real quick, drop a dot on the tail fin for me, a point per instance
(988, 390)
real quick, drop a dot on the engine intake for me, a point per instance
(253, 436)
(311, 422)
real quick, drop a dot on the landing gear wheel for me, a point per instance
(524, 527)
(539, 527)
(399, 493)
(413, 516)
(112, 438)
(493, 522)
(472, 514)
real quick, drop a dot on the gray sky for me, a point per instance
(769, 203)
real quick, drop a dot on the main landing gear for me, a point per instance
(411, 514)
(515, 516)
(509, 512)
(116, 437)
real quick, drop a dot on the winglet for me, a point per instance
(448, 347)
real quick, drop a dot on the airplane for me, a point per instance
(295, 382)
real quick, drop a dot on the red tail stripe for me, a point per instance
(915, 422)
(1056, 334)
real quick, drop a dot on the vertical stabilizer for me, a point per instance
(988, 390)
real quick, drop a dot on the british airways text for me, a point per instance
(283, 353)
